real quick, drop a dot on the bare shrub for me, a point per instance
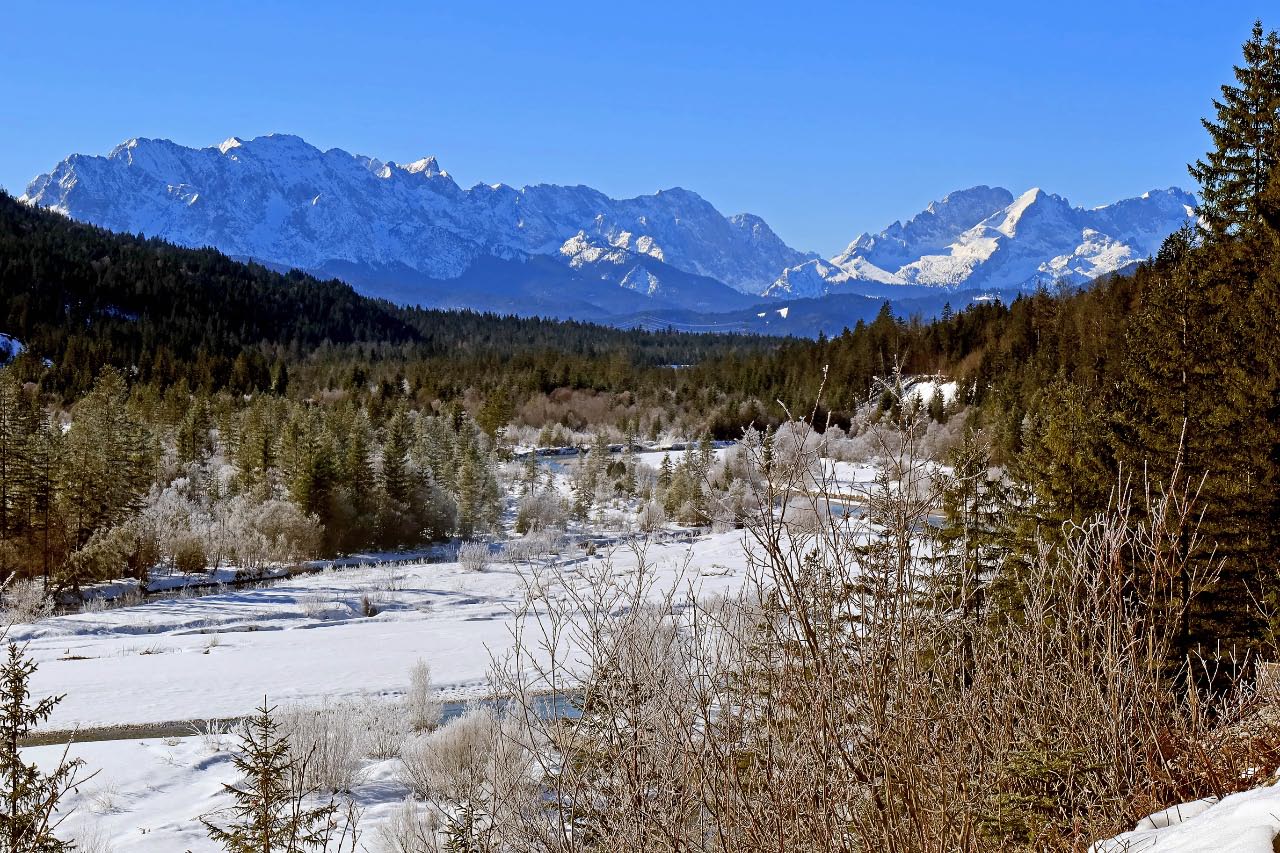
(422, 706)
(475, 772)
(25, 601)
(850, 700)
(412, 828)
(385, 727)
(473, 556)
(325, 742)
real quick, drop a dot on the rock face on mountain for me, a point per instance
(985, 238)
(410, 233)
(279, 200)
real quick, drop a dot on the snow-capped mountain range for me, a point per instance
(411, 233)
(985, 238)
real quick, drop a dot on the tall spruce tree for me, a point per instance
(1191, 399)
(969, 548)
(396, 479)
(15, 419)
(1065, 457)
(108, 459)
(44, 455)
(1235, 174)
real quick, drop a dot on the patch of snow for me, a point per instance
(1248, 822)
(10, 348)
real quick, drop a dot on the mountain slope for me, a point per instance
(409, 233)
(81, 297)
(986, 239)
(282, 201)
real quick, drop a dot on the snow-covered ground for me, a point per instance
(148, 795)
(307, 639)
(1248, 822)
(303, 641)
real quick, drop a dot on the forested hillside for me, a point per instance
(83, 297)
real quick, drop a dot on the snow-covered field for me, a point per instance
(148, 795)
(307, 639)
(304, 641)
(352, 632)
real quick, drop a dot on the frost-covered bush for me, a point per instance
(25, 601)
(422, 707)
(313, 606)
(518, 550)
(614, 520)
(652, 517)
(942, 438)
(533, 545)
(271, 531)
(390, 577)
(93, 839)
(326, 743)
(538, 511)
(93, 604)
(217, 735)
(546, 542)
(473, 556)
(452, 759)
(808, 517)
(733, 506)
(385, 726)
(477, 772)
(793, 441)
(182, 522)
(412, 828)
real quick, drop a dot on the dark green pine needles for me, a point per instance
(269, 812)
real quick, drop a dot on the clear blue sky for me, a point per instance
(825, 118)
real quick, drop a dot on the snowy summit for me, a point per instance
(411, 233)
